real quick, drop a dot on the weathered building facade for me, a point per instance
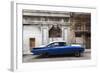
(81, 28)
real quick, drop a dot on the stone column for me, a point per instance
(64, 33)
(44, 30)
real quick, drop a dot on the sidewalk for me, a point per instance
(87, 50)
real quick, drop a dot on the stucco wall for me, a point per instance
(31, 31)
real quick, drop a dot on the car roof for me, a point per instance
(58, 42)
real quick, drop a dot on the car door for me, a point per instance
(52, 48)
(56, 49)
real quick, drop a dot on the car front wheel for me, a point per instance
(45, 54)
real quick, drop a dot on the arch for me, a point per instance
(55, 31)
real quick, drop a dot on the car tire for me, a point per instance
(81, 54)
(45, 54)
(77, 54)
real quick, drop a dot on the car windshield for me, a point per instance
(56, 44)
(53, 44)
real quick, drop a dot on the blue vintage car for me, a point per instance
(58, 48)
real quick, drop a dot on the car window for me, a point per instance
(56, 44)
(62, 44)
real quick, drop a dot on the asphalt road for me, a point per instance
(36, 58)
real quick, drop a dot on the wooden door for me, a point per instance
(32, 43)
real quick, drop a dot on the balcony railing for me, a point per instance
(82, 29)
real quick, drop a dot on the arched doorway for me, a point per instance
(55, 33)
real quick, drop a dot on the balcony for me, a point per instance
(82, 29)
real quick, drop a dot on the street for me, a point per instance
(35, 58)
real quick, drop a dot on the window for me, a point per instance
(77, 34)
(55, 31)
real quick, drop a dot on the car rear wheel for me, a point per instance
(77, 54)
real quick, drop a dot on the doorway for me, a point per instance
(32, 43)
